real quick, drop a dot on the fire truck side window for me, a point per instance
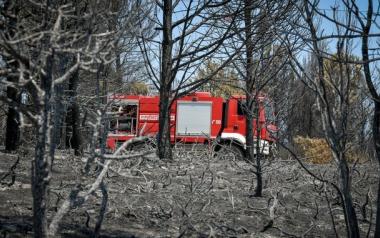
(240, 108)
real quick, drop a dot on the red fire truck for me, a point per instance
(196, 118)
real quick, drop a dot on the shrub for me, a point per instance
(317, 151)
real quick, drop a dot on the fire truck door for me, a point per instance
(194, 118)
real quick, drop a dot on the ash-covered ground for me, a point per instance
(195, 195)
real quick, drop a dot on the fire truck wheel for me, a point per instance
(229, 151)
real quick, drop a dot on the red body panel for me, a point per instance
(228, 121)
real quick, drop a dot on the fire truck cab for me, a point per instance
(196, 118)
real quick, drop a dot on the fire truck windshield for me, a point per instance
(242, 108)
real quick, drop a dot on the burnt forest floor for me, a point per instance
(195, 195)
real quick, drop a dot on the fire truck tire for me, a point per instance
(229, 150)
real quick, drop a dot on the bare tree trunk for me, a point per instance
(251, 99)
(12, 133)
(249, 79)
(103, 209)
(42, 161)
(41, 171)
(76, 140)
(258, 166)
(163, 137)
(60, 108)
(57, 110)
(249, 129)
(349, 211)
(376, 139)
(376, 99)
(259, 177)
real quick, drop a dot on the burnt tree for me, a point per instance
(12, 133)
(189, 36)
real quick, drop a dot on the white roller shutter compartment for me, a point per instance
(194, 118)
